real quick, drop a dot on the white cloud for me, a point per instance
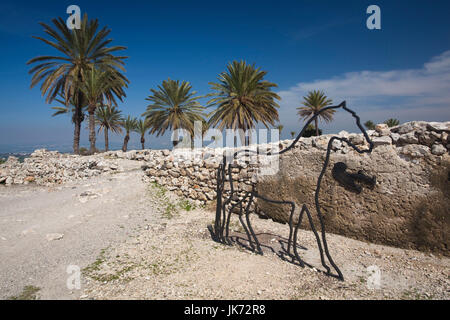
(412, 94)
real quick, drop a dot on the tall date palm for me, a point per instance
(99, 87)
(313, 103)
(108, 119)
(79, 50)
(129, 124)
(173, 106)
(243, 98)
(141, 128)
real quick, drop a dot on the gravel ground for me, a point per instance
(175, 258)
(43, 230)
(134, 240)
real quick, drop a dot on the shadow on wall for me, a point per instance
(398, 220)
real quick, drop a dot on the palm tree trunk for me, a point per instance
(77, 121)
(106, 140)
(92, 129)
(125, 142)
(316, 121)
(76, 136)
(143, 142)
(175, 136)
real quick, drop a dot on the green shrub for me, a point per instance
(84, 151)
(311, 131)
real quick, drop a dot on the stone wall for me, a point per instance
(51, 167)
(410, 205)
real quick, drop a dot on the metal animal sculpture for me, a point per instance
(226, 205)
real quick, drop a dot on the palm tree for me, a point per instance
(280, 128)
(108, 118)
(392, 122)
(173, 106)
(293, 134)
(205, 128)
(141, 127)
(313, 103)
(99, 87)
(243, 98)
(79, 50)
(129, 124)
(369, 125)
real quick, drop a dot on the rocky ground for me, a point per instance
(134, 240)
(43, 230)
(175, 258)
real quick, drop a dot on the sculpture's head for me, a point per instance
(343, 106)
(352, 180)
(361, 128)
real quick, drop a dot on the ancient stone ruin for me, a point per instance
(408, 208)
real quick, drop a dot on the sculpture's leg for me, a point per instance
(325, 246)
(327, 253)
(227, 226)
(247, 214)
(316, 234)
(246, 230)
(291, 227)
(294, 239)
(220, 204)
(217, 222)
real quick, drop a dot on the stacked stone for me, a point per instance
(51, 167)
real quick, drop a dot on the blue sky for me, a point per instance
(401, 71)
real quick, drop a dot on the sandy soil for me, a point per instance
(175, 258)
(90, 215)
(133, 240)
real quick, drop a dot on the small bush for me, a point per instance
(84, 151)
(311, 131)
(28, 293)
(186, 205)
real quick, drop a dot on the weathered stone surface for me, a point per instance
(408, 138)
(415, 151)
(51, 167)
(439, 126)
(438, 149)
(410, 126)
(380, 141)
(382, 129)
(54, 236)
(408, 207)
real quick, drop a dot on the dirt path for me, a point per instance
(133, 240)
(89, 216)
